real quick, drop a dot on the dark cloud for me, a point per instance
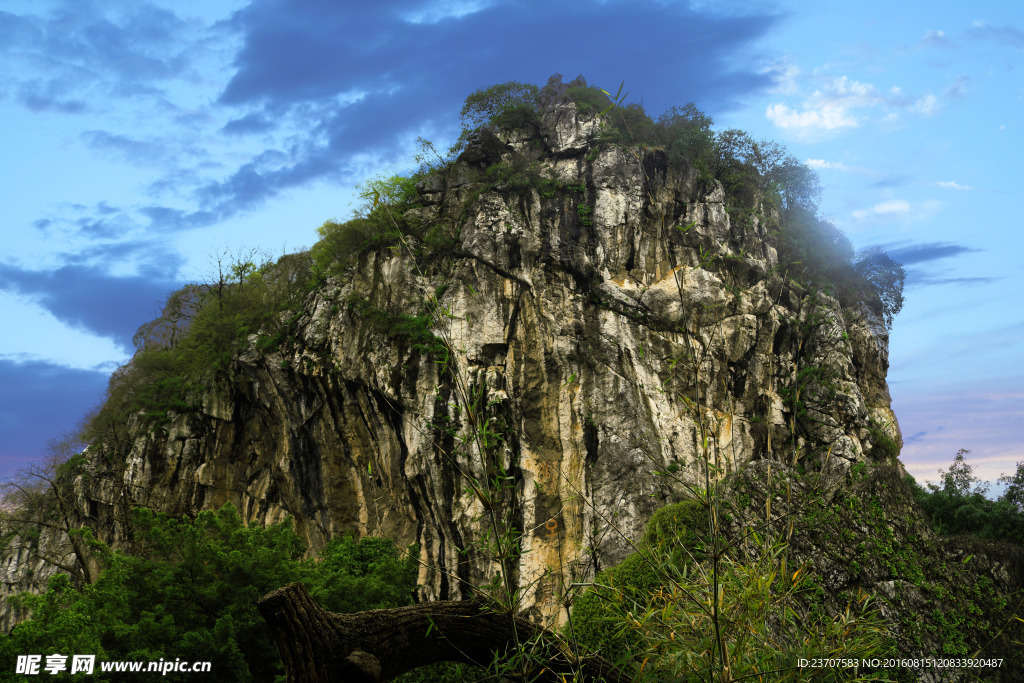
(86, 297)
(105, 222)
(150, 260)
(928, 251)
(327, 80)
(40, 402)
(906, 254)
(253, 123)
(332, 72)
(99, 221)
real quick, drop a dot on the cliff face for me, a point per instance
(599, 326)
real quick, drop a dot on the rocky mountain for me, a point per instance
(609, 326)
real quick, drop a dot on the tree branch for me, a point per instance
(318, 646)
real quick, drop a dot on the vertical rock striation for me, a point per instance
(575, 314)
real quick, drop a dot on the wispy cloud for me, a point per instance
(445, 9)
(892, 207)
(927, 251)
(982, 31)
(952, 185)
(987, 424)
(936, 39)
(843, 102)
(287, 69)
(897, 211)
(785, 75)
(822, 164)
(71, 52)
(919, 278)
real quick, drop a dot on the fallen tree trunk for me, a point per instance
(318, 646)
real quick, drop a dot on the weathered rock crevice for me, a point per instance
(574, 315)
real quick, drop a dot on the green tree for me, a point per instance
(510, 104)
(887, 277)
(957, 504)
(191, 593)
(798, 185)
(1014, 493)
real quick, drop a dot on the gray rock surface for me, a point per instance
(575, 317)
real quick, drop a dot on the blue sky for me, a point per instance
(140, 138)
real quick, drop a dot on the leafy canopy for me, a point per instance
(958, 504)
(188, 590)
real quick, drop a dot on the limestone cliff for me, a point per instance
(575, 314)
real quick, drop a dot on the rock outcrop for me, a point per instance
(599, 325)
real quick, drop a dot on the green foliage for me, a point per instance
(62, 621)
(353, 575)
(341, 243)
(883, 446)
(687, 136)
(378, 223)
(1014, 492)
(414, 330)
(190, 591)
(522, 174)
(629, 124)
(886, 277)
(507, 105)
(957, 505)
(445, 672)
(588, 99)
(655, 609)
(194, 341)
(671, 536)
(505, 98)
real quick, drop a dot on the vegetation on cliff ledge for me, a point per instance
(720, 587)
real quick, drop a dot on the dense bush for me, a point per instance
(189, 591)
(671, 536)
(378, 223)
(201, 329)
(652, 612)
(958, 505)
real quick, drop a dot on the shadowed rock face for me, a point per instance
(573, 316)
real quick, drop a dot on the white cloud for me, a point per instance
(926, 105)
(936, 38)
(838, 166)
(893, 207)
(827, 117)
(785, 75)
(954, 185)
(827, 109)
(447, 9)
(842, 101)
